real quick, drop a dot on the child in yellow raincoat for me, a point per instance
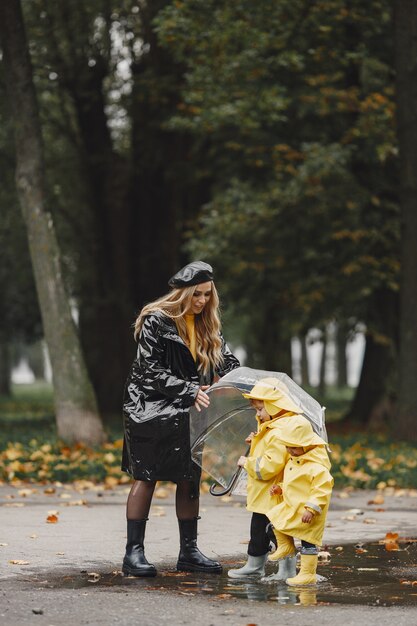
(265, 465)
(306, 492)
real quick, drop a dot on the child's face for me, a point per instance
(260, 410)
(295, 451)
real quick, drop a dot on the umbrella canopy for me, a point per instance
(218, 433)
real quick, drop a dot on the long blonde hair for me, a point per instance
(207, 324)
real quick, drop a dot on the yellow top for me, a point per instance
(192, 342)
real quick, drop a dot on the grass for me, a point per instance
(30, 449)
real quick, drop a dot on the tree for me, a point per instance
(406, 67)
(122, 183)
(296, 101)
(76, 410)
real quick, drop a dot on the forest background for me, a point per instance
(275, 139)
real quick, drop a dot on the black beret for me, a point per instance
(192, 274)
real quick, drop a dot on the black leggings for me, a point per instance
(259, 541)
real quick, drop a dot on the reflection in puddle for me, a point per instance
(369, 575)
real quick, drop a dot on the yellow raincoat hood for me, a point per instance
(298, 432)
(274, 394)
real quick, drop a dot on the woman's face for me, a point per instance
(200, 297)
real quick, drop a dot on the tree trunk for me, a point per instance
(75, 403)
(371, 391)
(305, 375)
(5, 368)
(405, 415)
(341, 362)
(323, 364)
(377, 384)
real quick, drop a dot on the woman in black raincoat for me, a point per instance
(180, 350)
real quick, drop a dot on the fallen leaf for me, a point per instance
(324, 556)
(93, 577)
(161, 493)
(355, 512)
(189, 582)
(390, 537)
(19, 562)
(26, 492)
(224, 596)
(412, 583)
(49, 490)
(3, 545)
(110, 482)
(52, 519)
(76, 503)
(339, 548)
(377, 500)
(369, 520)
(360, 550)
(34, 536)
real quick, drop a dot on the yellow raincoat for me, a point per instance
(265, 463)
(307, 484)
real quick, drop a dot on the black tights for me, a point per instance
(259, 541)
(140, 499)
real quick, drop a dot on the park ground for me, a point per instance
(61, 548)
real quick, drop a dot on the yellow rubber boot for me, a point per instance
(285, 546)
(307, 574)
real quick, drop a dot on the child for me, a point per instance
(306, 491)
(265, 465)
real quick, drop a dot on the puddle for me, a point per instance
(369, 575)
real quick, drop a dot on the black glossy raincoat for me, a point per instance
(161, 387)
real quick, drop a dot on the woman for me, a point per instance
(180, 350)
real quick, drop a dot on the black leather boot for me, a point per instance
(134, 562)
(190, 558)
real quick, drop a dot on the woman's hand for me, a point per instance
(202, 400)
(249, 438)
(275, 490)
(242, 460)
(307, 517)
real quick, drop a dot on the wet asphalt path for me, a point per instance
(88, 538)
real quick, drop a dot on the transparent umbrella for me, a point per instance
(218, 433)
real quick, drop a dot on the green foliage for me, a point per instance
(364, 461)
(27, 403)
(295, 102)
(30, 450)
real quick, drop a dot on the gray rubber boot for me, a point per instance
(254, 566)
(286, 569)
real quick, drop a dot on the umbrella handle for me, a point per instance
(232, 483)
(228, 489)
